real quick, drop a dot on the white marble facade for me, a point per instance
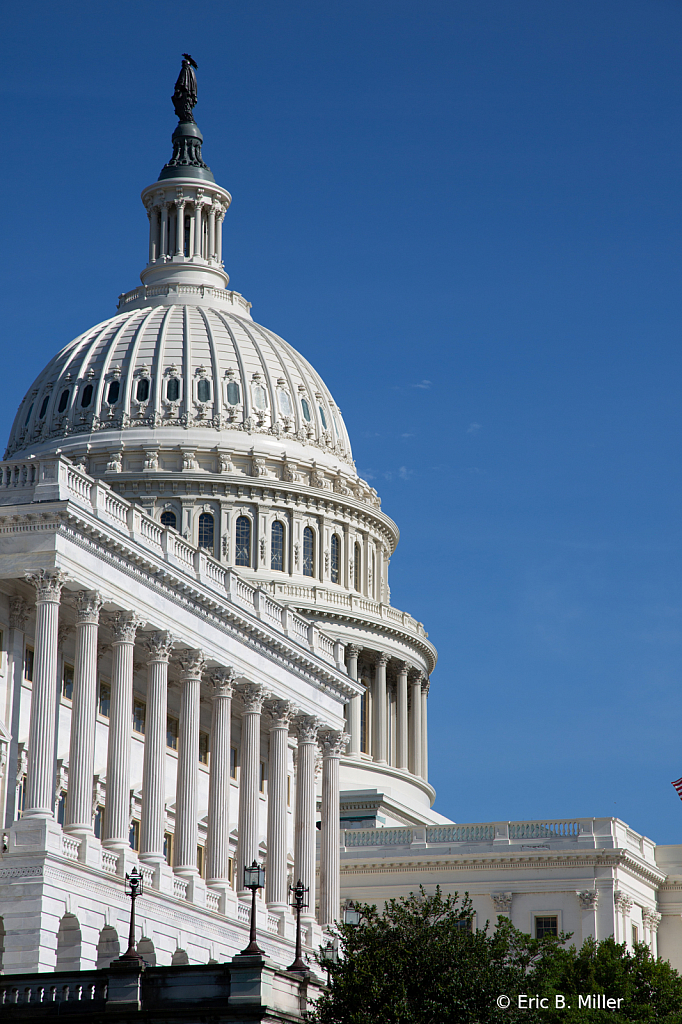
(200, 665)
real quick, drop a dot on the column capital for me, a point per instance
(88, 604)
(19, 611)
(651, 918)
(381, 658)
(353, 650)
(306, 728)
(502, 901)
(253, 697)
(48, 584)
(588, 899)
(124, 626)
(426, 684)
(222, 681)
(191, 664)
(403, 668)
(622, 901)
(281, 713)
(416, 675)
(158, 646)
(333, 742)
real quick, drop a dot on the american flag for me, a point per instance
(678, 787)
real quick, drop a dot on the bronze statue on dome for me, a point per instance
(185, 94)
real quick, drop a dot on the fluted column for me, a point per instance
(153, 822)
(180, 232)
(380, 710)
(186, 808)
(163, 231)
(211, 233)
(304, 826)
(332, 744)
(117, 809)
(218, 832)
(197, 230)
(78, 817)
(425, 737)
(354, 705)
(219, 236)
(44, 696)
(276, 872)
(416, 724)
(402, 745)
(252, 696)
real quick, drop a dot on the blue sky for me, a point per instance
(467, 215)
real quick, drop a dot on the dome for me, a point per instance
(176, 374)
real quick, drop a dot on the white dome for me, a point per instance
(173, 374)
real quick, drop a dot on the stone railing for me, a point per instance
(213, 901)
(596, 832)
(57, 479)
(82, 992)
(70, 847)
(205, 291)
(180, 886)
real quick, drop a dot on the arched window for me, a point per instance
(142, 389)
(336, 550)
(277, 546)
(169, 518)
(86, 397)
(308, 552)
(108, 947)
(28, 414)
(243, 541)
(203, 390)
(285, 404)
(173, 389)
(357, 568)
(259, 397)
(63, 401)
(69, 944)
(43, 407)
(306, 410)
(113, 392)
(206, 529)
(323, 417)
(233, 392)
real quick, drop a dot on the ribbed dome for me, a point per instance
(193, 376)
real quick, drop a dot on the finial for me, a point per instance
(185, 94)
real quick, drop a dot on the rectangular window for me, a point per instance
(233, 762)
(168, 847)
(97, 823)
(61, 807)
(466, 924)
(546, 926)
(139, 717)
(203, 747)
(67, 681)
(364, 724)
(635, 935)
(28, 664)
(104, 699)
(263, 776)
(200, 860)
(172, 733)
(230, 870)
(21, 796)
(134, 836)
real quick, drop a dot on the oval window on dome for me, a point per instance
(28, 414)
(259, 397)
(203, 390)
(63, 401)
(43, 407)
(142, 393)
(323, 417)
(113, 392)
(306, 410)
(173, 389)
(285, 404)
(86, 397)
(233, 392)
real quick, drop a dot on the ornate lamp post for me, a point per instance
(350, 914)
(254, 879)
(330, 953)
(134, 887)
(299, 900)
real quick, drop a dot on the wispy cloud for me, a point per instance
(425, 385)
(473, 428)
(404, 473)
(407, 435)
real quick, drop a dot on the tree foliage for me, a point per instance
(420, 961)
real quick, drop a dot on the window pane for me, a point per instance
(134, 836)
(86, 397)
(357, 568)
(173, 389)
(545, 926)
(204, 390)
(61, 808)
(322, 417)
(233, 392)
(169, 519)
(168, 847)
(233, 762)
(67, 682)
(277, 546)
(335, 559)
(97, 823)
(143, 389)
(43, 407)
(259, 397)
(285, 403)
(139, 715)
(206, 531)
(308, 552)
(28, 414)
(306, 410)
(104, 699)
(243, 539)
(113, 393)
(28, 664)
(172, 733)
(63, 401)
(203, 747)
(262, 776)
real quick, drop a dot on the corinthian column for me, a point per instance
(253, 697)
(304, 827)
(354, 705)
(186, 810)
(380, 717)
(276, 873)
(332, 744)
(416, 724)
(44, 696)
(402, 733)
(425, 737)
(117, 809)
(78, 818)
(218, 833)
(158, 646)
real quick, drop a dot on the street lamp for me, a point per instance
(351, 915)
(134, 887)
(254, 879)
(330, 953)
(299, 900)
